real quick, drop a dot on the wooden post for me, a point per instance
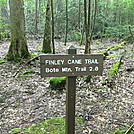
(64, 65)
(70, 99)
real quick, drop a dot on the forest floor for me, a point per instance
(27, 99)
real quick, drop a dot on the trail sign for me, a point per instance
(71, 65)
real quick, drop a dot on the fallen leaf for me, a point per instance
(89, 130)
(102, 115)
(115, 125)
(90, 123)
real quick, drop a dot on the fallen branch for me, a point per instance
(130, 69)
(129, 128)
(27, 62)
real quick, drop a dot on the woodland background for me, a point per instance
(108, 18)
(28, 28)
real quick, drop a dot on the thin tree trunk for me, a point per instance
(79, 15)
(94, 19)
(87, 25)
(36, 17)
(66, 32)
(82, 35)
(52, 27)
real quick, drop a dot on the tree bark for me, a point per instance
(94, 19)
(47, 32)
(66, 32)
(52, 12)
(36, 16)
(18, 48)
(87, 25)
(79, 15)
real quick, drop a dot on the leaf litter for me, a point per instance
(27, 99)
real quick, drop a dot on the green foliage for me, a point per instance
(112, 48)
(87, 79)
(114, 69)
(74, 36)
(104, 53)
(4, 27)
(112, 18)
(124, 130)
(57, 83)
(3, 61)
(34, 55)
(16, 131)
(27, 72)
(113, 55)
(117, 31)
(4, 33)
(55, 125)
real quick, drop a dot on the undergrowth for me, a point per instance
(56, 125)
(3, 61)
(115, 68)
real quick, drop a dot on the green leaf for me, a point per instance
(15, 131)
(3, 61)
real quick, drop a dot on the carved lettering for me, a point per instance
(51, 70)
(81, 69)
(79, 61)
(54, 62)
(91, 61)
(66, 69)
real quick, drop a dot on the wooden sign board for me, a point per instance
(71, 65)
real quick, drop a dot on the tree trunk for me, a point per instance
(36, 16)
(52, 26)
(66, 22)
(94, 19)
(18, 48)
(79, 15)
(87, 25)
(47, 33)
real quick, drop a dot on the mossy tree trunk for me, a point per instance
(18, 49)
(47, 32)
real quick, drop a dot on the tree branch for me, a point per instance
(129, 128)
